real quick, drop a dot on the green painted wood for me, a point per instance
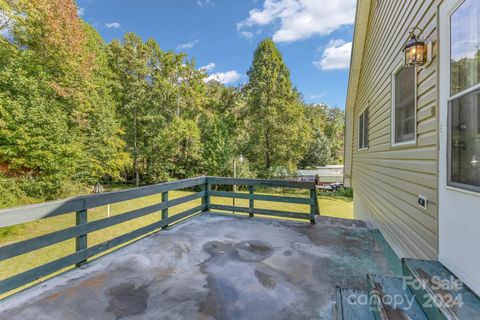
(81, 240)
(313, 207)
(251, 202)
(206, 199)
(260, 197)
(385, 288)
(29, 245)
(29, 276)
(191, 197)
(265, 212)
(21, 247)
(316, 202)
(118, 196)
(338, 304)
(439, 303)
(107, 245)
(24, 214)
(261, 182)
(352, 304)
(165, 211)
(13, 216)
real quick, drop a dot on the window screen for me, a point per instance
(405, 105)
(363, 130)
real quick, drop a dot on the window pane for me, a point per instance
(365, 131)
(465, 140)
(405, 105)
(465, 44)
(360, 132)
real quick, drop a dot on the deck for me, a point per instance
(217, 267)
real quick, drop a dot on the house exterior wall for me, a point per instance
(387, 180)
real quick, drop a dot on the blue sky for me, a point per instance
(314, 36)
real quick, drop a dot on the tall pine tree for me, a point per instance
(275, 120)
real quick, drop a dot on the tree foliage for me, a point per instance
(277, 130)
(57, 121)
(326, 145)
(75, 111)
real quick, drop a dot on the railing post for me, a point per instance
(81, 241)
(313, 206)
(165, 211)
(251, 201)
(317, 205)
(206, 198)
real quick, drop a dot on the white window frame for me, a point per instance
(412, 142)
(361, 148)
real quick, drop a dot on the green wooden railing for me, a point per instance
(81, 205)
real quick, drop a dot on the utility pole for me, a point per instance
(235, 175)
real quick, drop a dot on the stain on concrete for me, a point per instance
(213, 267)
(253, 250)
(249, 251)
(127, 299)
(266, 280)
(95, 282)
(221, 296)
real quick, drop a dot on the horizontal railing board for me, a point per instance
(18, 215)
(41, 271)
(261, 182)
(191, 197)
(39, 211)
(284, 214)
(261, 197)
(99, 248)
(120, 196)
(70, 260)
(29, 245)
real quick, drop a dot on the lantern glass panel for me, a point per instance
(420, 48)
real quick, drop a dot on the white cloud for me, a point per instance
(81, 11)
(336, 56)
(188, 45)
(246, 34)
(113, 25)
(225, 77)
(295, 20)
(202, 3)
(208, 67)
(317, 96)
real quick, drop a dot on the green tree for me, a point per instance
(318, 153)
(334, 131)
(152, 89)
(274, 119)
(179, 147)
(58, 126)
(103, 144)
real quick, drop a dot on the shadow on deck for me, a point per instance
(217, 267)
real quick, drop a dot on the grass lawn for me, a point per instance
(329, 206)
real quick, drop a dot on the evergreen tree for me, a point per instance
(275, 120)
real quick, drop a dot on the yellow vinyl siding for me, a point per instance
(387, 178)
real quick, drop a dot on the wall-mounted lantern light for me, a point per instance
(415, 50)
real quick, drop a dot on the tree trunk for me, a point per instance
(267, 150)
(135, 150)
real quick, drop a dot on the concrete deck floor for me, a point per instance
(216, 267)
